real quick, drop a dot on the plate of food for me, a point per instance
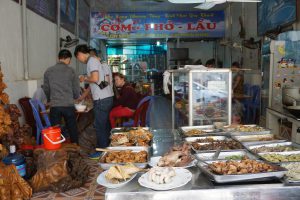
(165, 178)
(138, 137)
(178, 156)
(118, 175)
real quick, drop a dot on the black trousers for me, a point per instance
(69, 115)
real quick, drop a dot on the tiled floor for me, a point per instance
(91, 190)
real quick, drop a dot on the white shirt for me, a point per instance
(94, 64)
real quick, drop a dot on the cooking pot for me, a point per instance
(290, 95)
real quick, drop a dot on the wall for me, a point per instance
(42, 37)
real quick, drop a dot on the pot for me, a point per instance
(290, 96)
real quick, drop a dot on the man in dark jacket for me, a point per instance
(61, 86)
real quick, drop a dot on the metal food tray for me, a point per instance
(193, 139)
(106, 166)
(234, 132)
(251, 147)
(260, 155)
(213, 150)
(127, 129)
(241, 139)
(124, 132)
(209, 130)
(240, 177)
(224, 154)
(286, 179)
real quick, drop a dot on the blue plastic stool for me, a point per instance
(38, 107)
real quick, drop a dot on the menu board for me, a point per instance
(45, 8)
(84, 19)
(68, 14)
(274, 13)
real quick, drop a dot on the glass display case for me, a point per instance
(207, 102)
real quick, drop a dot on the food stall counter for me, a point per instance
(201, 187)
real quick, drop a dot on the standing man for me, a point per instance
(100, 79)
(61, 86)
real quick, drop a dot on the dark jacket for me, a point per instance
(61, 85)
(128, 97)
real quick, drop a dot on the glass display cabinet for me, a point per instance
(201, 96)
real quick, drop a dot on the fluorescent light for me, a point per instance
(205, 6)
(186, 1)
(157, 43)
(151, 25)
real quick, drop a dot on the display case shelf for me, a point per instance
(207, 102)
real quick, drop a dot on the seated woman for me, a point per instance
(126, 102)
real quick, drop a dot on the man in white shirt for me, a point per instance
(99, 78)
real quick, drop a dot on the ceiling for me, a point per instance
(143, 6)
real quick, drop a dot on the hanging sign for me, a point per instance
(208, 24)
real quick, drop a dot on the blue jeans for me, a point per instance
(101, 109)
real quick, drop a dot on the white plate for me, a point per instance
(182, 177)
(154, 160)
(101, 180)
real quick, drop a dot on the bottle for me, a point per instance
(16, 159)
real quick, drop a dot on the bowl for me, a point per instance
(80, 107)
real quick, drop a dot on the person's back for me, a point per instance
(61, 83)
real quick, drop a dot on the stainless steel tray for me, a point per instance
(134, 149)
(287, 180)
(251, 147)
(224, 154)
(242, 177)
(193, 139)
(234, 132)
(212, 150)
(280, 153)
(126, 129)
(115, 132)
(209, 130)
(254, 139)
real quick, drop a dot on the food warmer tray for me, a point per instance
(260, 155)
(241, 139)
(288, 181)
(213, 150)
(234, 132)
(224, 154)
(106, 166)
(127, 129)
(240, 177)
(218, 138)
(209, 129)
(116, 132)
(251, 147)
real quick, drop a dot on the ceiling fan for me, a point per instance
(208, 4)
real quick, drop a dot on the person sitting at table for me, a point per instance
(126, 102)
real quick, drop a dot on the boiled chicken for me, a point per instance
(179, 156)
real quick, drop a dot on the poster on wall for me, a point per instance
(208, 24)
(84, 19)
(45, 8)
(68, 14)
(274, 13)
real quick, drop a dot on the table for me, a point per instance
(200, 187)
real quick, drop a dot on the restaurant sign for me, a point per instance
(208, 24)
